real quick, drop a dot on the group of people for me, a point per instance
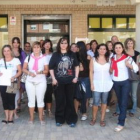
(99, 68)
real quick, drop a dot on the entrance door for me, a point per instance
(53, 29)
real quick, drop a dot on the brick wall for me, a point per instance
(79, 15)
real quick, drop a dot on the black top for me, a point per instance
(63, 66)
(136, 53)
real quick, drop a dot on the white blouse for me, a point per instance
(90, 53)
(101, 77)
(41, 63)
(123, 70)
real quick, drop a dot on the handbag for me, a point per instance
(13, 88)
(24, 76)
(132, 75)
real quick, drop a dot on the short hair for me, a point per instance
(36, 43)
(126, 42)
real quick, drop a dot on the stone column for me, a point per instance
(138, 26)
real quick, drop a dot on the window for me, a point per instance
(102, 28)
(3, 31)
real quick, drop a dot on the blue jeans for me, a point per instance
(134, 85)
(122, 90)
(99, 96)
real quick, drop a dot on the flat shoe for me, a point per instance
(58, 124)
(102, 123)
(30, 122)
(118, 128)
(42, 122)
(72, 125)
(84, 117)
(4, 122)
(10, 122)
(131, 114)
(115, 114)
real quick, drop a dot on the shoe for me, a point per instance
(92, 122)
(42, 122)
(131, 114)
(84, 117)
(102, 123)
(4, 122)
(10, 122)
(50, 114)
(107, 110)
(118, 128)
(115, 114)
(72, 125)
(30, 122)
(16, 116)
(58, 124)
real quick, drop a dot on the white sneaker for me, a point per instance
(107, 110)
(84, 117)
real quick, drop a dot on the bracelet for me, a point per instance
(76, 77)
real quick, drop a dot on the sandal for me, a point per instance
(10, 122)
(115, 114)
(102, 123)
(131, 114)
(4, 122)
(92, 122)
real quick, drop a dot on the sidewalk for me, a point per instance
(21, 130)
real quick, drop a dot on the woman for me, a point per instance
(110, 48)
(73, 47)
(120, 64)
(64, 70)
(36, 70)
(100, 81)
(93, 46)
(13, 64)
(83, 77)
(20, 54)
(130, 46)
(47, 45)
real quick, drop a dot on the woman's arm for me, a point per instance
(26, 71)
(54, 81)
(91, 65)
(76, 74)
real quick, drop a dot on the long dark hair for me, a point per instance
(58, 49)
(82, 54)
(47, 41)
(96, 54)
(18, 41)
(119, 43)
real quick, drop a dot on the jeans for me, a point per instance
(99, 96)
(122, 90)
(134, 95)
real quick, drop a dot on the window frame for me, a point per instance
(113, 29)
(4, 29)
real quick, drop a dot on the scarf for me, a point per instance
(35, 66)
(114, 64)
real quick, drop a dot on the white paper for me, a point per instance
(5, 78)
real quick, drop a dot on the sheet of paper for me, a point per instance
(5, 78)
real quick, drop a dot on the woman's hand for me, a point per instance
(32, 74)
(128, 64)
(92, 87)
(0, 73)
(75, 80)
(54, 81)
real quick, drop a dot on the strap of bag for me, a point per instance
(5, 63)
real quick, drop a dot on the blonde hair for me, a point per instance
(126, 42)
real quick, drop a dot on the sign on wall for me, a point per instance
(12, 20)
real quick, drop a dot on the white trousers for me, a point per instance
(35, 91)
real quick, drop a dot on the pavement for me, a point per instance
(21, 130)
